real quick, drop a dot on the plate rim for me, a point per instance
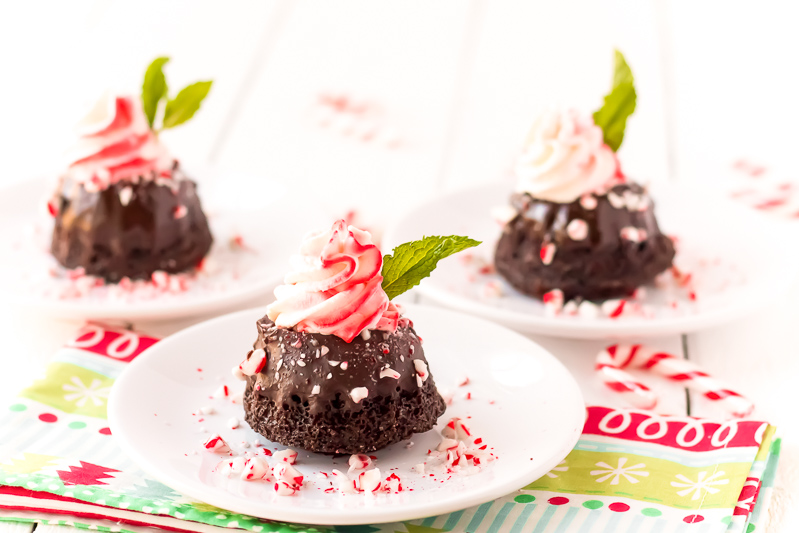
(573, 329)
(313, 516)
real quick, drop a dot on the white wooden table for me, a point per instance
(460, 80)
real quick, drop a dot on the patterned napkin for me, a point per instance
(630, 471)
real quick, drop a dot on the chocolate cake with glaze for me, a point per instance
(579, 225)
(335, 368)
(123, 207)
(595, 248)
(130, 229)
(308, 393)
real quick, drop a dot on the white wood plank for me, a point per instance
(735, 97)
(402, 55)
(55, 64)
(531, 55)
(735, 83)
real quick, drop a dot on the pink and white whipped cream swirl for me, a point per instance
(115, 143)
(335, 286)
(565, 157)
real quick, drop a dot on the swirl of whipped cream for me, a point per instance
(115, 143)
(334, 287)
(565, 157)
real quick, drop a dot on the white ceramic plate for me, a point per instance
(268, 223)
(740, 261)
(534, 421)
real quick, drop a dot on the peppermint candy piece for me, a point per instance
(421, 372)
(254, 363)
(216, 444)
(286, 456)
(577, 230)
(359, 393)
(256, 469)
(547, 253)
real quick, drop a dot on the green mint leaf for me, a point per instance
(185, 104)
(619, 104)
(409, 263)
(154, 88)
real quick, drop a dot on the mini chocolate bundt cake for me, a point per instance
(322, 394)
(595, 248)
(123, 207)
(130, 229)
(335, 368)
(580, 226)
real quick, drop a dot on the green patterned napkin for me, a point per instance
(631, 470)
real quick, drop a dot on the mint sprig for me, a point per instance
(185, 104)
(410, 263)
(179, 109)
(619, 104)
(154, 88)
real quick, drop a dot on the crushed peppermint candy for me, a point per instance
(125, 194)
(588, 202)
(359, 393)
(229, 467)
(456, 429)
(256, 468)
(613, 308)
(547, 253)
(616, 200)
(553, 302)
(316, 390)
(421, 372)
(633, 234)
(368, 481)
(577, 230)
(216, 444)
(457, 453)
(359, 461)
(254, 363)
(588, 309)
(233, 423)
(222, 392)
(286, 456)
(389, 373)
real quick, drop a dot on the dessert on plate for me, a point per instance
(336, 368)
(123, 207)
(580, 225)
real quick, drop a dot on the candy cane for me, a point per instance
(612, 360)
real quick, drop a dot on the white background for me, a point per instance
(460, 81)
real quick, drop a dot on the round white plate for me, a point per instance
(524, 404)
(739, 261)
(269, 225)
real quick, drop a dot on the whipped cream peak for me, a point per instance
(565, 157)
(334, 287)
(115, 143)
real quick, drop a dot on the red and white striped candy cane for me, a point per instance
(612, 360)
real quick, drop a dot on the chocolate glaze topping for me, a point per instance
(303, 395)
(130, 229)
(605, 264)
